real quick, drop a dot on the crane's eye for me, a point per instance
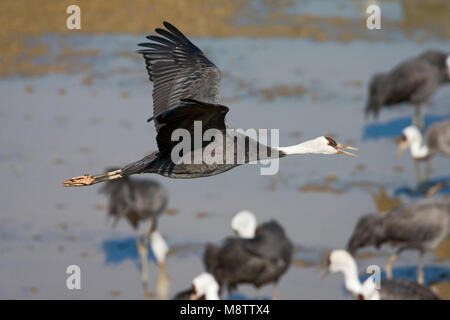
(331, 142)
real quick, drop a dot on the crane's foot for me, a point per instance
(80, 181)
(87, 179)
(275, 292)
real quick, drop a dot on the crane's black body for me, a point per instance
(404, 289)
(136, 200)
(257, 261)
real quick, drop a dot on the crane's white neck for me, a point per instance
(352, 283)
(342, 261)
(212, 293)
(369, 290)
(205, 284)
(318, 145)
(417, 148)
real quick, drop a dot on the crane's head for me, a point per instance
(327, 145)
(338, 147)
(204, 285)
(244, 224)
(319, 145)
(410, 135)
(367, 231)
(377, 92)
(340, 261)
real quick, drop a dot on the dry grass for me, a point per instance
(282, 90)
(23, 20)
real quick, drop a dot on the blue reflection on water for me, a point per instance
(421, 190)
(433, 274)
(121, 249)
(393, 128)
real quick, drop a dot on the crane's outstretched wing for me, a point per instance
(178, 70)
(212, 116)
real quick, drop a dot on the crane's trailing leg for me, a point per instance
(275, 292)
(87, 180)
(418, 173)
(259, 293)
(388, 266)
(141, 245)
(420, 272)
(428, 170)
(162, 284)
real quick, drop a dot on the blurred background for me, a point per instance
(76, 101)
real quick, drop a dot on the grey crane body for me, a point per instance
(135, 200)
(258, 261)
(412, 81)
(404, 289)
(437, 138)
(417, 226)
(422, 224)
(185, 92)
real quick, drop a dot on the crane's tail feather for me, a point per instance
(87, 180)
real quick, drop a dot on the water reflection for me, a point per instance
(393, 128)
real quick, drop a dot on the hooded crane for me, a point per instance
(395, 289)
(421, 226)
(204, 287)
(260, 255)
(186, 96)
(412, 81)
(437, 141)
(140, 201)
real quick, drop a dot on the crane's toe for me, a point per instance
(84, 180)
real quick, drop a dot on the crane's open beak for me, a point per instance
(339, 148)
(325, 273)
(402, 145)
(325, 268)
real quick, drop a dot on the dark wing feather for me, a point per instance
(212, 116)
(270, 242)
(178, 69)
(236, 265)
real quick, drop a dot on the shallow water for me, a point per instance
(58, 126)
